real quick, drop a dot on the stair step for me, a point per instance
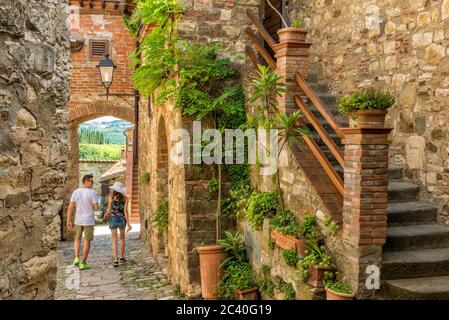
(415, 263)
(414, 212)
(402, 191)
(417, 236)
(426, 288)
(395, 172)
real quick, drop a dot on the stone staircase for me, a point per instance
(416, 254)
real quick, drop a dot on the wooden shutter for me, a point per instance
(98, 48)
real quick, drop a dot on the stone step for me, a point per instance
(426, 288)
(318, 88)
(407, 213)
(417, 236)
(402, 191)
(395, 172)
(415, 263)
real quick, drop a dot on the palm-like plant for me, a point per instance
(267, 86)
(235, 247)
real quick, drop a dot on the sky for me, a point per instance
(102, 119)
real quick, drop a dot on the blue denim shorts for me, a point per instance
(117, 222)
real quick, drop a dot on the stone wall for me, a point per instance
(96, 168)
(400, 46)
(34, 90)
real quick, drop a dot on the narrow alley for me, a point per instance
(139, 278)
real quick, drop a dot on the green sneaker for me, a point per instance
(76, 261)
(84, 266)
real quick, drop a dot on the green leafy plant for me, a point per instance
(285, 222)
(308, 228)
(315, 255)
(237, 276)
(235, 247)
(271, 244)
(267, 87)
(337, 286)
(287, 289)
(261, 205)
(145, 177)
(290, 257)
(263, 281)
(365, 100)
(298, 23)
(213, 186)
(330, 225)
(161, 216)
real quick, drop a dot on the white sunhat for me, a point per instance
(118, 186)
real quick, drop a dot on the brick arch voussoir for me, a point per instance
(81, 113)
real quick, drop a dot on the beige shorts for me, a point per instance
(87, 230)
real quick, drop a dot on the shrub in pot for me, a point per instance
(238, 282)
(367, 109)
(286, 232)
(317, 265)
(294, 32)
(338, 291)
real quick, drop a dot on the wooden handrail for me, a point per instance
(260, 28)
(327, 166)
(252, 55)
(260, 48)
(338, 154)
(319, 105)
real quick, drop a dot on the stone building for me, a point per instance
(97, 168)
(95, 31)
(34, 91)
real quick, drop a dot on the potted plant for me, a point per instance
(286, 233)
(295, 32)
(338, 291)
(317, 266)
(238, 279)
(367, 109)
(211, 271)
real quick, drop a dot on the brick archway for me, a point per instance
(79, 113)
(85, 112)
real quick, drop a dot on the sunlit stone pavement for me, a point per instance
(139, 278)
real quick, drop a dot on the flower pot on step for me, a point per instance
(316, 275)
(211, 257)
(371, 118)
(291, 34)
(333, 295)
(249, 294)
(287, 242)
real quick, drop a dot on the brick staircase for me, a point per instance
(416, 254)
(135, 205)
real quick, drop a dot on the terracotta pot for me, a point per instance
(333, 295)
(249, 294)
(292, 34)
(372, 118)
(287, 242)
(210, 259)
(316, 275)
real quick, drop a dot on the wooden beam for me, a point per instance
(103, 4)
(91, 4)
(260, 48)
(252, 55)
(81, 3)
(321, 131)
(260, 28)
(327, 166)
(319, 105)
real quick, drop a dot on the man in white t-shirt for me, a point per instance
(86, 201)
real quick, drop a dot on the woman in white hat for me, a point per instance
(117, 214)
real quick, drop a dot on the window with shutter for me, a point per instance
(98, 48)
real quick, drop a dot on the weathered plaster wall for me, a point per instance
(34, 90)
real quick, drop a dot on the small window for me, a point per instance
(98, 48)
